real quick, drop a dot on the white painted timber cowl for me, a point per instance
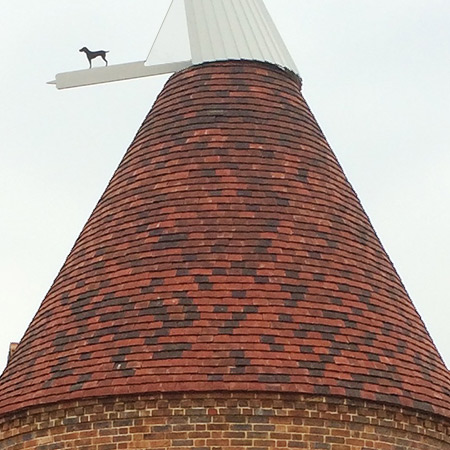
(234, 29)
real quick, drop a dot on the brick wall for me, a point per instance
(222, 421)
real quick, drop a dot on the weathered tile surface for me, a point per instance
(228, 253)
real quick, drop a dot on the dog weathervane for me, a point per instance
(92, 55)
(215, 30)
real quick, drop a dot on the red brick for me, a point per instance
(346, 432)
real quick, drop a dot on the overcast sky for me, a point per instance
(376, 74)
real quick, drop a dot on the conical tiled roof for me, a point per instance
(229, 252)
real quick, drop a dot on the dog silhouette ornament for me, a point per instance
(92, 55)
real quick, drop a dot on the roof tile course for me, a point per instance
(229, 252)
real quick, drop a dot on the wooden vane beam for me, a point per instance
(118, 72)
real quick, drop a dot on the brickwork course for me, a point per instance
(230, 288)
(222, 422)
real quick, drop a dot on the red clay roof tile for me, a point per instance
(229, 252)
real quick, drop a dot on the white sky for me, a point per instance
(376, 74)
